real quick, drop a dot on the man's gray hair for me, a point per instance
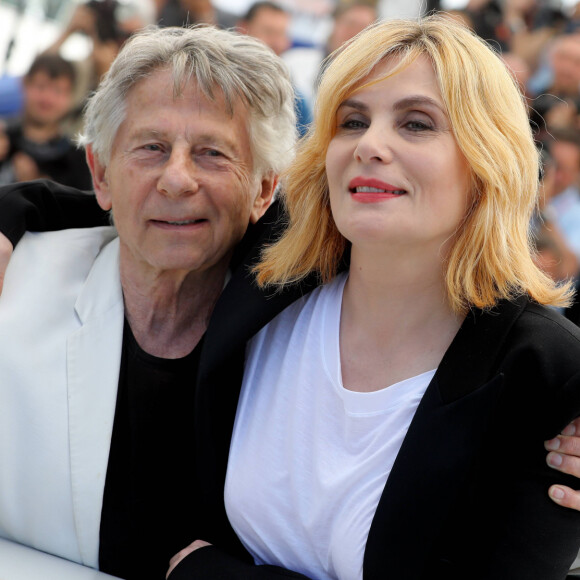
(238, 65)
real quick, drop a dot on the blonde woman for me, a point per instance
(372, 410)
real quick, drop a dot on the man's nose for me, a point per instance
(179, 176)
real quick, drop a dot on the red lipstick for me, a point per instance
(369, 190)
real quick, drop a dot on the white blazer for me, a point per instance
(61, 329)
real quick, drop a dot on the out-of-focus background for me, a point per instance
(28, 27)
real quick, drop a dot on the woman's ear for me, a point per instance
(100, 184)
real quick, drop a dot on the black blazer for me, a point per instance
(461, 500)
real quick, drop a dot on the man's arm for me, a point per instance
(42, 206)
(202, 561)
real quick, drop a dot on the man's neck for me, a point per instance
(169, 315)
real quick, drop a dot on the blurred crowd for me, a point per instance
(538, 39)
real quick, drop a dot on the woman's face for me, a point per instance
(395, 172)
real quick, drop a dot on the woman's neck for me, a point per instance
(396, 320)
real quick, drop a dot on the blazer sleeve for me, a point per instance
(529, 536)
(44, 205)
(210, 563)
(509, 528)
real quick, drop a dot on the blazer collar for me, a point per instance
(102, 288)
(93, 361)
(243, 308)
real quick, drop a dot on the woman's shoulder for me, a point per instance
(547, 329)
(542, 350)
(309, 310)
(533, 347)
(541, 368)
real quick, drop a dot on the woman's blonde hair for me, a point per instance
(491, 257)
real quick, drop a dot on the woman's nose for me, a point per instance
(374, 145)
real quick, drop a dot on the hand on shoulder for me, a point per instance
(564, 455)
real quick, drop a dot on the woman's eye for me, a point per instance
(353, 124)
(418, 125)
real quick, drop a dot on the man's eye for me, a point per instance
(152, 147)
(213, 153)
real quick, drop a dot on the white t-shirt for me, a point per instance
(309, 459)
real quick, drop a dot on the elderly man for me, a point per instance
(101, 328)
(110, 453)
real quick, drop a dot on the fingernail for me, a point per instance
(557, 492)
(570, 430)
(553, 444)
(554, 459)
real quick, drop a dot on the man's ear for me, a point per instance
(100, 184)
(264, 197)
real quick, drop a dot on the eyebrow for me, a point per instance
(400, 105)
(418, 100)
(146, 133)
(353, 104)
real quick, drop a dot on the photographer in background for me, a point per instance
(34, 145)
(107, 24)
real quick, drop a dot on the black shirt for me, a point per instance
(149, 488)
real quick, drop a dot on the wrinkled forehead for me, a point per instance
(180, 82)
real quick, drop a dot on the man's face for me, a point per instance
(567, 164)
(271, 27)
(349, 24)
(180, 179)
(47, 100)
(566, 65)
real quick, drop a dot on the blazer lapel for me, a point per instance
(244, 308)
(437, 452)
(93, 360)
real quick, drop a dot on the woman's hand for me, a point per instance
(185, 552)
(565, 456)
